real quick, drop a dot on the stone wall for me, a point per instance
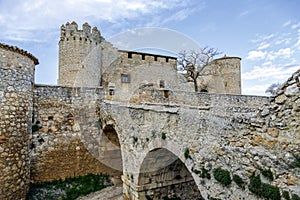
(66, 138)
(242, 134)
(16, 94)
(76, 66)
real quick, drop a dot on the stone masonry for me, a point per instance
(164, 142)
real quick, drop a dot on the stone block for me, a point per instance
(274, 132)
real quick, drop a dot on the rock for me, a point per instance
(291, 90)
(274, 132)
(265, 112)
(280, 99)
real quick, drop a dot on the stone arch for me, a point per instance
(110, 153)
(164, 175)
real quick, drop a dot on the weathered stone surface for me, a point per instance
(280, 99)
(274, 132)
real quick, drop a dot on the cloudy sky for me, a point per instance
(264, 33)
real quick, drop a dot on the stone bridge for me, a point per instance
(172, 145)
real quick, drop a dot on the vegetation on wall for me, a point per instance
(222, 175)
(187, 153)
(69, 189)
(263, 189)
(286, 195)
(268, 174)
(239, 181)
(163, 135)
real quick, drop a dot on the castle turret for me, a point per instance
(225, 76)
(74, 47)
(16, 104)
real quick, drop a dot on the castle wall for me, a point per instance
(142, 69)
(66, 142)
(16, 95)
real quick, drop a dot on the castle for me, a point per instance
(111, 108)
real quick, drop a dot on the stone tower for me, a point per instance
(16, 104)
(224, 75)
(74, 49)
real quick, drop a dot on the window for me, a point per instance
(161, 83)
(129, 55)
(111, 92)
(125, 78)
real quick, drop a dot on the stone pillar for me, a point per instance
(16, 100)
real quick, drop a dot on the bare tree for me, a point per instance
(271, 90)
(193, 63)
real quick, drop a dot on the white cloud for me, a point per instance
(43, 14)
(295, 26)
(287, 23)
(256, 55)
(255, 89)
(297, 45)
(270, 72)
(263, 46)
(284, 53)
(263, 38)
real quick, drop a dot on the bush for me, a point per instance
(255, 185)
(270, 191)
(239, 181)
(163, 136)
(69, 189)
(263, 189)
(187, 153)
(223, 176)
(268, 174)
(204, 173)
(35, 128)
(286, 195)
(295, 197)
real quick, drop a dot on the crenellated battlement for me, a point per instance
(71, 31)
(140, 56)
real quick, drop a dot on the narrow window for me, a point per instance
(129, 55)
(161, 83)
(125, 78)
(143, 56)
(166, 93)
(111, 92)
(155, 58)
(167, 59)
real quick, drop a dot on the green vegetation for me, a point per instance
(222, 175)
(69, 189)
(205, 173)
(263, 189)
(295, 197)
(286, 195)
(296, 162)
(239, 181)
(35, 128)
(187, 153)
(268, 174)
(163, 136)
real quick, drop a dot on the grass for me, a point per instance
(68, 189)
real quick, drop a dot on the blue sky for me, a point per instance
(264, 33)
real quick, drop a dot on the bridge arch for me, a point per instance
(164, 175)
